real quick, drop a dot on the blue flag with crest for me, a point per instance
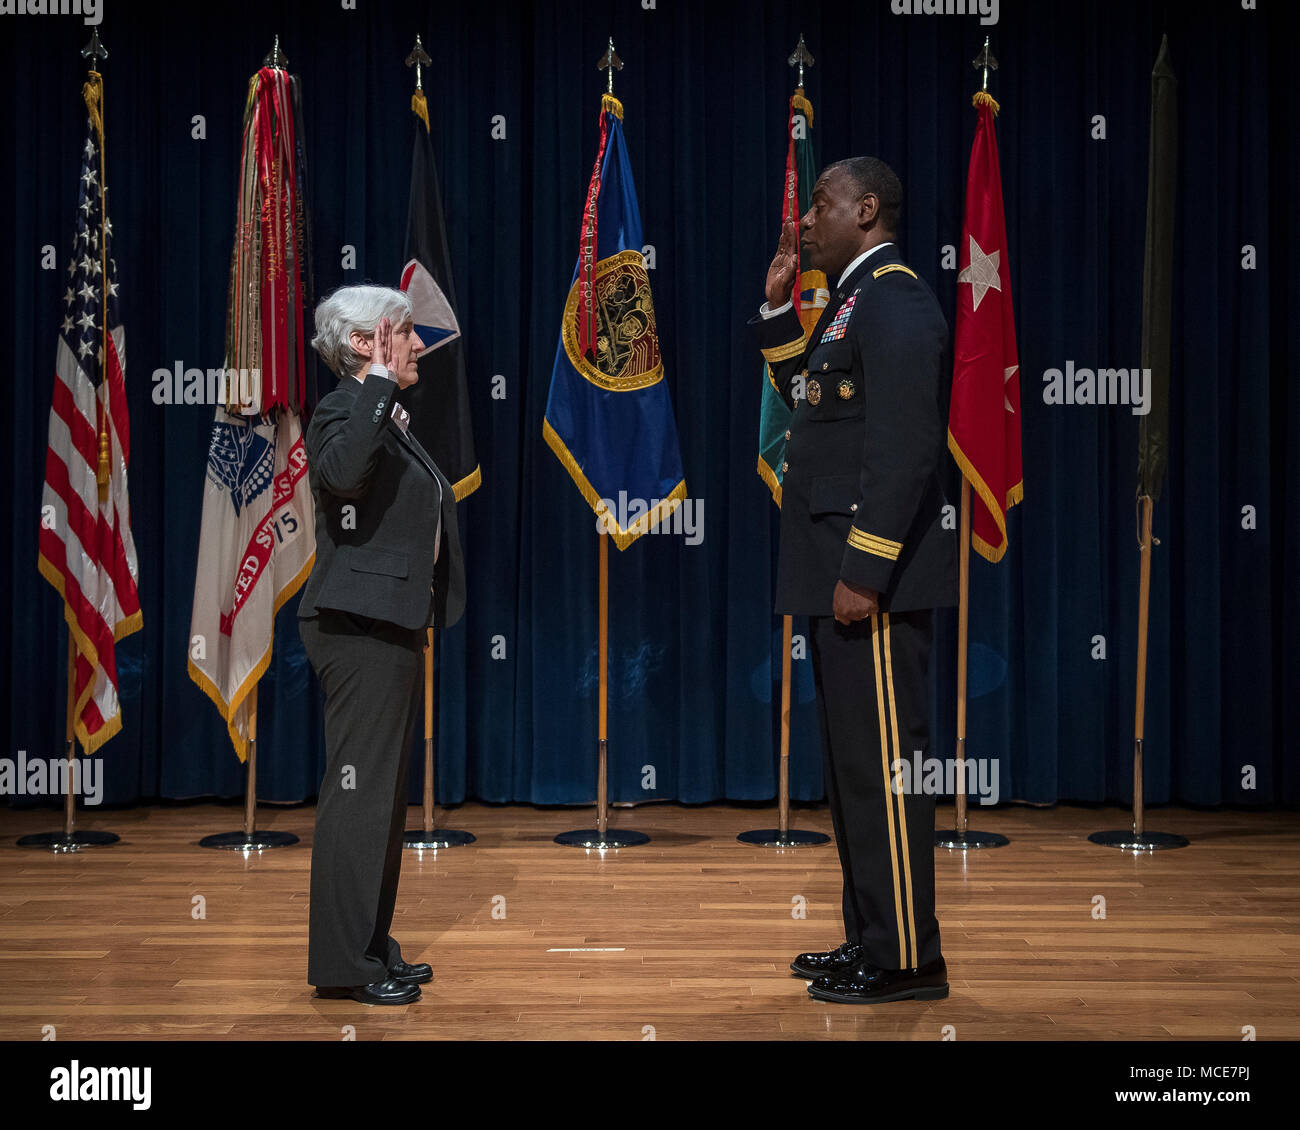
(609, 417)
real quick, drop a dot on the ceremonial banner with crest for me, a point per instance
(439, 400)
(810, 290)
(609, 418)
(256, 548)
(257, 541)
(984, 413)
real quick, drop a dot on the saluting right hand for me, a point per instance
(383, 352)
(785, 265)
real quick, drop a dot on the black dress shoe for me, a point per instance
(378, 992)
(868, 985)
(839, 960)
(411, 974)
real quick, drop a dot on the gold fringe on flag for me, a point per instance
(801, 103)
(420, 107)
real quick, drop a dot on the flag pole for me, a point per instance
(962, 837)
(70, 740)
(249, 838)
(250, 784)
(601, 837)
(1140, 702)
(70, 839)
(1157, 297)
(429, 836)
(783, 789)
(269, 401)
(1136, 838)
(602, 709)
(428, 813)
(781, 835)
(963, 645)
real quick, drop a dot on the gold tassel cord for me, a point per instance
(420, 108)
(93, 93)
(984, 98)
(802, 104)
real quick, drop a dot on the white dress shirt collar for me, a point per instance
(853, 266)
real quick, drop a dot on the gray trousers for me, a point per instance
(371, 672)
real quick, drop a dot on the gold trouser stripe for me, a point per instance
(871, 543)
(902, 810)
(784, 352)
(889, 791)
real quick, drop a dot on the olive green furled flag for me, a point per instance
(1158, 273)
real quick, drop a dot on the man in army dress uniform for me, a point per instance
(865, 556)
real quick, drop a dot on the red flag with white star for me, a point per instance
(984, 413)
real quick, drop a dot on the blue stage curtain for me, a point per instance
(694, 648)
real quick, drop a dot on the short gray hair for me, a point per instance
(358, 308)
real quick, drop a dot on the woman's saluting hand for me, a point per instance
(383, 351)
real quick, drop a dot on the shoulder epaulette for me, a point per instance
(892, 267)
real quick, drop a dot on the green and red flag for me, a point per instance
(810, 291)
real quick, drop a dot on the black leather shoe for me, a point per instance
(379, 992)
(411, 974)
(839, 960)
(868, 985)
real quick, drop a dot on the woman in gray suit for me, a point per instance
(388, 565)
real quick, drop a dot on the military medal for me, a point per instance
(814, 393)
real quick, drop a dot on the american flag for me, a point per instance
(86, 549)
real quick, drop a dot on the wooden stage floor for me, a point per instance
(686, 938)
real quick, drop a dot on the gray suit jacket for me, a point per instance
(378, 496)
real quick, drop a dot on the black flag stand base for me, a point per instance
(967, 839)
(602, 837)
(438, 838)
(1139, 841)
(774, 837)
(67, 841)
(1136, 838)
(597, 840)
(249, 839)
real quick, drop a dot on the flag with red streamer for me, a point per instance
(270, 266)
(257, 540)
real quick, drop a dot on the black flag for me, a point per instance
(1158, 273)
(439, 401)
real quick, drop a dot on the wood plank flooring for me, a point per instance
(688, 937)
